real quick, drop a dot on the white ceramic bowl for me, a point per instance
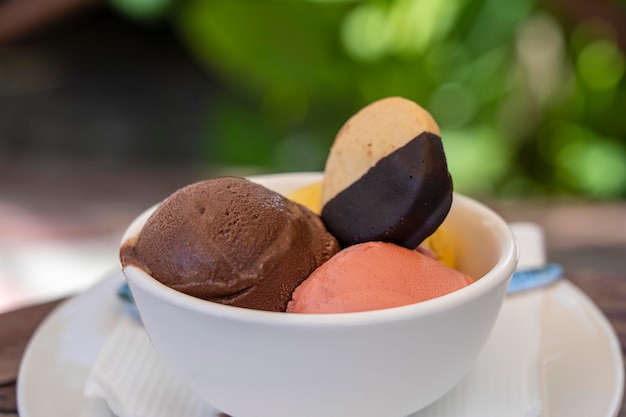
(385, 363)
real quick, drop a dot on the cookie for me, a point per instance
(386, 176)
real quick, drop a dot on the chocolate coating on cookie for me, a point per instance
(402, 199)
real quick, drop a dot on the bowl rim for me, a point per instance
(496, 276)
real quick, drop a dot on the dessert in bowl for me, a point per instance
(389, 362)
(252, 359)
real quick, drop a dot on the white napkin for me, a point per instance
(505, 381)
(131, 378)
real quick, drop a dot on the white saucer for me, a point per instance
(582, 373)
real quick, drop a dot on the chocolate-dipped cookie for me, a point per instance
(386, 177)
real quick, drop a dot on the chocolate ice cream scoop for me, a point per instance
(231, 241)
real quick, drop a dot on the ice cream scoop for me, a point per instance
(231, 241)
(309, 196)
(374, 276)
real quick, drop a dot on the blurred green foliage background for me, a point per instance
(528, 103)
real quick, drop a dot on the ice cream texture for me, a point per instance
(231, 241)
(373, 276)
(309, 196)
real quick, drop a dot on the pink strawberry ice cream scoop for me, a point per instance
(373, 276)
